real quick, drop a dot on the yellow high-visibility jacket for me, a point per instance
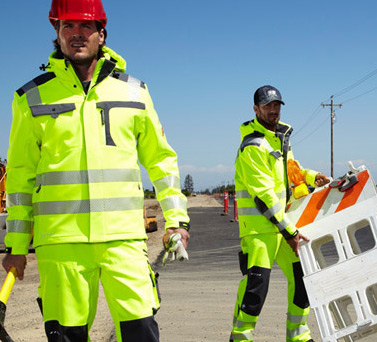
(261, 179)
(73, 169)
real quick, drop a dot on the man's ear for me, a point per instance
(102, 37)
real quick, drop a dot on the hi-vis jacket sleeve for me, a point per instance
(22, 162)
(160, 160)
(267, 186)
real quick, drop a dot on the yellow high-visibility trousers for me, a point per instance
(69, 284)
(256, 260)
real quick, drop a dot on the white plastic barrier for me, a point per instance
(340, 261)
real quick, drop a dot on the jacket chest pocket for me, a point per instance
(58, 125)
(118, 121)
(54, 110)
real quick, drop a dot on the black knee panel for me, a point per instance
(301, 297)
(258, 279)
(59, 333)
(140, 330)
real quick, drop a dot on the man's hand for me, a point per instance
(17, 261)
(321, 180)
(295, 242)
(185, 236)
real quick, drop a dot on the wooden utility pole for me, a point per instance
(332, 105)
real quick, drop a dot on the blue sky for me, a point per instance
(203, 60)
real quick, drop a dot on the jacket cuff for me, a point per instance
(310, 177)
(290, 232)
(17, 245)
(181, 224)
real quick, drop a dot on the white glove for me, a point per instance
(175, 247)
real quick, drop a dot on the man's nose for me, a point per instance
(77, 32)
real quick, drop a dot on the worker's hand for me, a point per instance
(173, 245)
(185, 236)
(17, 261)
(295, 242)
(321, 180)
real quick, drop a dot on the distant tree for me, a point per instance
(189, 184)
(149, 194)
(220, 189)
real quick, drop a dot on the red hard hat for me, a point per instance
(77, 10)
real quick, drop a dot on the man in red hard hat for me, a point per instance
(78, 133)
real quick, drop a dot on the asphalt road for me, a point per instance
(198, 295)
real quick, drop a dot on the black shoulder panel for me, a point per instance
(39, 80)
(252, 139)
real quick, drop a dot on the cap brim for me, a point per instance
(267, 101)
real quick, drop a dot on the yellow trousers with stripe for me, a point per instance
(256, 260)
(69, 285)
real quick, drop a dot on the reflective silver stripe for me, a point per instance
(173, 202)
(248, 211)
(258, 141)
(54, 109)
(87, 206)
(134, 92)
(273, 210)
(170, 181)
(266, 144)
(297, 318)
(28, 86)
(90, 176)
(19, 226)
(243, 194)
(33, 96)
(240, 324)
(283, 224)
(281, 195)
(19, 198)
(134, 81)
(298, 331)
(245, 336)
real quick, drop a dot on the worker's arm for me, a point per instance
(160, 160)
(22, 163)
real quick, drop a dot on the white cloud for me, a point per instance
(219, 168)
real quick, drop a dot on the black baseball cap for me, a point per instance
(266, 94)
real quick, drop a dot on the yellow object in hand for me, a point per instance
(300, 189)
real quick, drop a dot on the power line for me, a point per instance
(354, 98)
(309, 120)
(312, 131)
(357, 83)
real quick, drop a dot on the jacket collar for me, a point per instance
(109, 62)
(254, 125)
